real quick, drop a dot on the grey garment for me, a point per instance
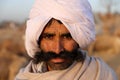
(39, 68)
(92, 69)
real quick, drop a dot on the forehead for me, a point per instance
(55, 26)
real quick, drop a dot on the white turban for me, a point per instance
(76, 15)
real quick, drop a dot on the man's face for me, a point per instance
(56, 38)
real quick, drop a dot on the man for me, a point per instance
(56, 33)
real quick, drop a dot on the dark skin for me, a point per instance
(56, 38)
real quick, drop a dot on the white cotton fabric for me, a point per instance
(91, 69)
(76, 15)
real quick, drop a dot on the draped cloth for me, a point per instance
(76, 15)
(91, 69)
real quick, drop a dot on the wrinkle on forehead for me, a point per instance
(56, 27)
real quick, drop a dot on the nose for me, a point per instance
(58, 46)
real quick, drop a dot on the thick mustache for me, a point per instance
(46, 56)
(63, 54)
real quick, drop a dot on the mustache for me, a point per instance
(46, 56)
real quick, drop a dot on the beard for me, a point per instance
(68, 56)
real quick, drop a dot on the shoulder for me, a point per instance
(104, 70)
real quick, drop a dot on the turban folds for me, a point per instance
(76, 15)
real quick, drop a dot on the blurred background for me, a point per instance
(13, 16)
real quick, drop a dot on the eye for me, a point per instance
(47, 36)
(67, 36)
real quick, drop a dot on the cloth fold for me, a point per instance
(91, 69)
(76, 15)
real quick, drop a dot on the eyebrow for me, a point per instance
(66, 34)
(44, 35)
(48, 34)
(52, 34)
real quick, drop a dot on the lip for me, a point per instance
(57, 60)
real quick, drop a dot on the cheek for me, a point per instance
(70, 45)
(46, 46)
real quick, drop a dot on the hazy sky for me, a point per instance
(18, 10)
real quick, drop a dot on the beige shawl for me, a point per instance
(91, 69)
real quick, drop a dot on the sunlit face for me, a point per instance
(56, 38)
